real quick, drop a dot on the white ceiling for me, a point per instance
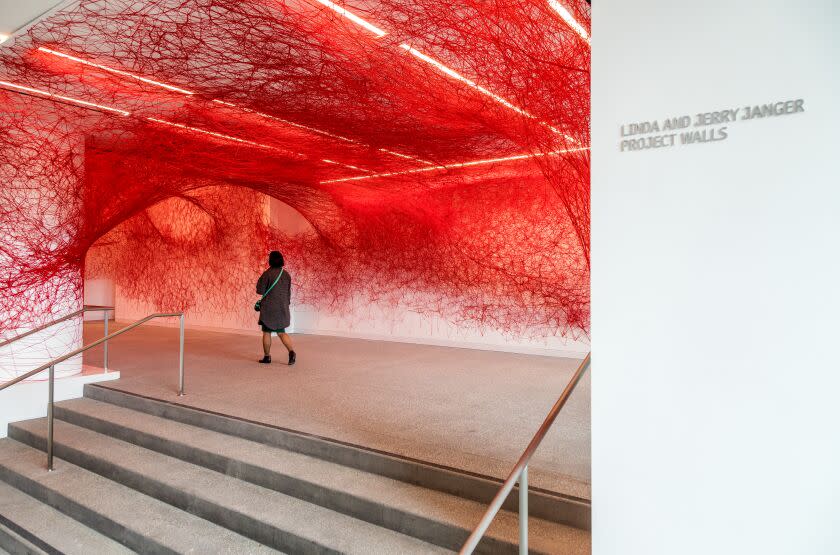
(17, 14)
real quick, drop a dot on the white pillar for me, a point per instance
(40, 222)
(34, 350)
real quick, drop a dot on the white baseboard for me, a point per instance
(577, 351)
(569, 352)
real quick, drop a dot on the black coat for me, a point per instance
(274, 309)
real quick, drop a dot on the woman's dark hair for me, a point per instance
(275, 259)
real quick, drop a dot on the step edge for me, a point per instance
(579, 508)
(20, 540)
(48, 527)
(201, 507)
(414, 523)
(84, 514)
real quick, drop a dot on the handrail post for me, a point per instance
(523, 511)
(181, 360)
(105, 345)
(103, 341)
(50, 415)
(520, 472)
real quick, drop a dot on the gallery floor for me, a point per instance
(462, 408)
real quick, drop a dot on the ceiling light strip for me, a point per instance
(217, 101)
(212, 133)
(177, 89)
(116, 71)
(345, 165)
(46, 94)
(445, 69)
(21, 88)
(244, 141)
(322, 132)
(353, 17)
(292, 123)
(569, 19)
(455, 75)
(406, 156)
(458, 165)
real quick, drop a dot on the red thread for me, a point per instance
(467, 128)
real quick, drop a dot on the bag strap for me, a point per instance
(267, 291)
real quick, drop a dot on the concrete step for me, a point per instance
(16, 544)
(543, 504)
(48, 530)
(430, 515)
(140, 522)
(264, 515)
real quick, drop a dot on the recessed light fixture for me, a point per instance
(3, 37)
(458, 165)
(292, 123)
(455, 75)
(442, 67)
(72, 100)
(428, 59)
(353, 17)
(406, 156)
(346, 165)
(569, 19)
(222, 102)
(114, 70)
(211, 133)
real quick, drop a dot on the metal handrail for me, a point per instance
(520, 473)
(85, 308)
(51, 365)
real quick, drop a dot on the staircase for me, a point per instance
(135, 474)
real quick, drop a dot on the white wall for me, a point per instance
(15, 14)
(53, 298)
(368, 321)
(383, 322)
(99, 292)
(32, 351)
(715, 282)
(28, 399)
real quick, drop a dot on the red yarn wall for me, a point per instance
(443, 166)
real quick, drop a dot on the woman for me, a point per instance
(275, 285)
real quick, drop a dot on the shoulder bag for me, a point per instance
(267, 291)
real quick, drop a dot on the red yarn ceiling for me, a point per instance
(438, 150)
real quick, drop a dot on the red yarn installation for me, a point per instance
(439, 152)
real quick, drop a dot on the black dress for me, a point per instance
(274, 309)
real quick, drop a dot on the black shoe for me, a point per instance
(265, 360)
(292, 358)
